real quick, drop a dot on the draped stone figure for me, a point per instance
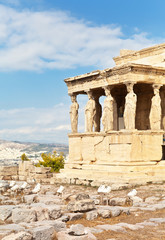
(155, 112)
(90, 111)
(74, 114)
(130, 108)
(108, 114)
(98, 114)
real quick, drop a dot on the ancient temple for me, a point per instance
(130, 146)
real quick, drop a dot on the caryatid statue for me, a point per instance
(98, 114)
(90, 111)
(108, 111)
(74, 114)
(130, 107)
(155, 112)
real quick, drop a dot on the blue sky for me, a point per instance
(42, 42)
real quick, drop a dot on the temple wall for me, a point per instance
(115, 147)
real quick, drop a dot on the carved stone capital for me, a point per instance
(157, 86)
(73, 97)
(129, 85)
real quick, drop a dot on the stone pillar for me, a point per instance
(130, 107)
(108, 111)
(90, 112)
(74, 113)
(155, 112)
(115, 116)
(98, 114)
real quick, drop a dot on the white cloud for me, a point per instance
(41, 124)
(10, 2)
(54, 40)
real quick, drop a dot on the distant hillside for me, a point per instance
(14, 150)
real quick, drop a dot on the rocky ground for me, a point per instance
(80, 213)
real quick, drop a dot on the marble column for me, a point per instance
(108, 111)
(74, 113)
(130, 107)
(155, 112)
(90, 112)
(98, 114)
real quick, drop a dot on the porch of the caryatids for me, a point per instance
(74, 113)
(155, 112)
(98, 113)
(90, 111)
(130, 107)
(108, 111)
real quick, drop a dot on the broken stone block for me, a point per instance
(5, 211)
(30, 198)
(152, 200)
(81, 205)
(42, 232)
(19, 236)
(136, 200)
(57, 225)
(91, 215)
(42, 213)
(23, 215)
(77, 230)
(74, 216)
(54, 211)
(66, 236)
(117, 201)
(115, 212)
(82, 196)
(104, 213)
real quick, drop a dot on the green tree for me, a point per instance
(55, 161)
(24, 157)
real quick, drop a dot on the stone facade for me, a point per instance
(130, 146)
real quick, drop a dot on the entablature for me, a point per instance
(118, 75)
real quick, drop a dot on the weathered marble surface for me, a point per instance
(74, 114)
(155, 113)
(90, 111)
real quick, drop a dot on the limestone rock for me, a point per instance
(50, 200)
(74, 216)
(81, 205)
(11, 227)
(23, 215)
(66, 236)
(115, 212)
(42, 213)
(104, 213)
(152, 200)
(64, 218)
(43, 233)
(136, 200)
(58, 225)
(91, 215)
(117, 201)
(5, 212)
(54, 212)
(77, 230)
(19, 236)
(30, 198)
(114, 227)
(82, 196)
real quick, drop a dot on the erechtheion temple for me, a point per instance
(130, 146)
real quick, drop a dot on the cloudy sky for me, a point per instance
(42, 42)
